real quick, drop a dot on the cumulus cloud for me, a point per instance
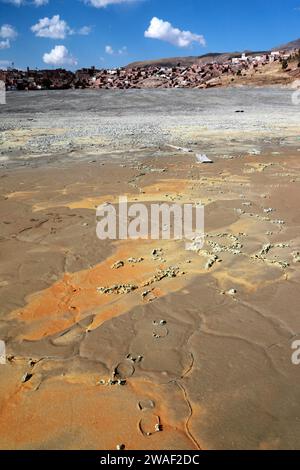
(56, 28)
(85, 30)
(105, 3)
(18, 3)
(59, 55)
(8, 32)
(5, 44)
(110, 50)
(40, 3)
(163, 30)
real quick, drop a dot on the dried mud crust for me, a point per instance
(198, 354)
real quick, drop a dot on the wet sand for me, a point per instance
(203, 361)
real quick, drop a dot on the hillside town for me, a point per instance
(199, 75)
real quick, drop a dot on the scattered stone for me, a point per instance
(112, 382)
(281, 264)
(212, 260)
(120, 447)
(158, 170)
(265, 249)
(134, 359)
(232, 292)
(135, 260)
(278, 222)
(203, 158)
(26, 377)
(117, 289)
(296, 257)
(121, 382)
(254, 152)
(157, 254)
(269, 210)
(282, 245)
(240, 211)
(181, 149)
(118, 265)
(170, 272)
(145, 293)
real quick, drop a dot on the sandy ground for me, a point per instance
(204, 359)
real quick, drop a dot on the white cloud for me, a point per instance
(53, 28)
(85, 30)
(8, 32)
(40, 3)
(5, 44)
(18, 3)
(105, 3)
(59, 55)
(163, 30)
(110, 50)
(56, 28)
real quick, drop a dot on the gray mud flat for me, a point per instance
(78, 123)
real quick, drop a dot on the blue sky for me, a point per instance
(106, 33)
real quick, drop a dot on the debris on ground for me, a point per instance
(120, 447)
(117, 289)
(181, 149)
(232, 292)
(26, 377)
(212, 260)
(118, 265)
(170, 272)
(254, 152)
(202, 158)
(135, 260)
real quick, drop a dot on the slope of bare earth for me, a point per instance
(289, 46)
(188, 61)
(198, 359)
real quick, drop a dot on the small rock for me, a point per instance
(232, 292)
(120, 447)
(26, 377)
(118, 265)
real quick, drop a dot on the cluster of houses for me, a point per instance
(199, 75)
(263, 58)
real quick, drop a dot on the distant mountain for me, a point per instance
(191, 60)
(289, 45)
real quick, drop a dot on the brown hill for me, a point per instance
(289, 45)
(188, 61)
